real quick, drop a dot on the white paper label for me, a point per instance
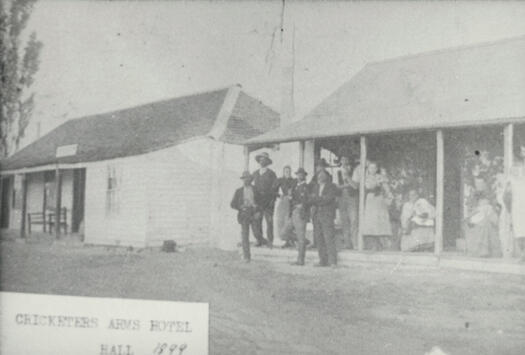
(49, 324)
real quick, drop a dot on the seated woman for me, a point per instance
(481, 232)
(417, 221)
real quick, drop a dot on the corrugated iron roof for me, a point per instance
(481, 84)
(147, 128)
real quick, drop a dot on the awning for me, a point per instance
(459, 87)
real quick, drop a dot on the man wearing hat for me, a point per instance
(299, 207)
(263, 182)
(320, 165)
(245, 201)
(323, 198)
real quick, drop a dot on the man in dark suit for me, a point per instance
(300, 213)
(323, 199)
(264, 181)
(246, 202)
(321, 165)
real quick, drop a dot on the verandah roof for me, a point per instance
(465, 86)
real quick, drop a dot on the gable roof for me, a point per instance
(147, 128)
(481, 84)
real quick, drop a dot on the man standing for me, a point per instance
(299, 207)
(321, 165)
(245, 200)
(263, 182)
(323, 198)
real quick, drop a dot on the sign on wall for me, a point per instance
(66, 150)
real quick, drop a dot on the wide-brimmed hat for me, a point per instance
(301, 171)
(264, 155)
(246, 175)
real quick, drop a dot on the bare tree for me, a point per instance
(19, 61)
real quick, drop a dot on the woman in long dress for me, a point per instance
(481, 231)
(514, 201)
(376, 228)
(283, 188)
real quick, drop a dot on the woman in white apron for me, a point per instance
(283, 188)
(514, 199)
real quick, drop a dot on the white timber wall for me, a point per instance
(124, 225)
(178, 184)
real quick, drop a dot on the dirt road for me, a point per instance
(264, 308)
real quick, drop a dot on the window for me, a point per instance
(112, 191)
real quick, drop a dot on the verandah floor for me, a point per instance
(348, 258)
(451, 260)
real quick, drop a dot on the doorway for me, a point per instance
(7, 183)
(79, 194)
(473, 161)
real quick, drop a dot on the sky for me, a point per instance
(100, 56)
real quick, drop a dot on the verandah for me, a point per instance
(444, 163)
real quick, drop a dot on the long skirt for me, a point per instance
(281, 218)
(518, 206)
(420, 238)
(482, 240)
(377, 219)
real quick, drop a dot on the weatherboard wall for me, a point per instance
(123, 223)
(178, 185)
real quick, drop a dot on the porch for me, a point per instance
(31, 198)
(447, 260)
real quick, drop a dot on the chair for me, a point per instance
(63, 220)
(36, 218)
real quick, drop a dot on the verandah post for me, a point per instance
(362, 177)
(508, 160)
(440, 177)
(24, 207)
(58, 201)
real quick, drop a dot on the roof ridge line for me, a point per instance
(225, 112)
(151, 102)
(447, 49)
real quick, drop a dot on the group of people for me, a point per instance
(492, 201)
(316, 200)
(300, 201)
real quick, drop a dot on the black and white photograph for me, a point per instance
(262, 177)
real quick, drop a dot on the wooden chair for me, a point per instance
(63, 220)
(36, 218)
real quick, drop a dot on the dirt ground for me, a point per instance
(265, 308)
